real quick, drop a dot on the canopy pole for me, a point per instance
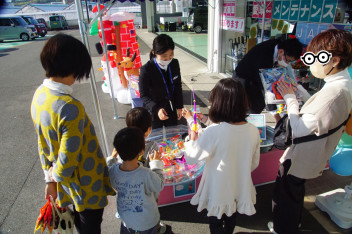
(83, 32)
(107, 61)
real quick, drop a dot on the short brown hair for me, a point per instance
(64, 55)
(337, 42)
(228, 102)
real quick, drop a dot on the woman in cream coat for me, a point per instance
(322, 112)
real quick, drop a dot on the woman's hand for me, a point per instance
(51, 190)
(284, 89)
(162, 114)
(50, 171)
(186, 113)
(155, 156)
(179, 114)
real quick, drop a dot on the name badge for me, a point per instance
(175, 77)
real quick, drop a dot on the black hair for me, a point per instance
(64, 55)
(129, 143)
(292, 47)
(139, 117)
(161, 44)
(228, 102)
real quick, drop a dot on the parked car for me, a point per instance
(198, 19)
(42, 21)
(15, 27)
(58, 22)
(40, 27)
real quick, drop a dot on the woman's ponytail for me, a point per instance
(151, 55)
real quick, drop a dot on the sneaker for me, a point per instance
(161, 228)
(271, 227)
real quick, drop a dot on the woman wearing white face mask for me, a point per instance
(329, 56)
(160, 83)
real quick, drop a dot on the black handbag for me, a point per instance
(283, 134)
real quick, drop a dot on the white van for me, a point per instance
(15, 27)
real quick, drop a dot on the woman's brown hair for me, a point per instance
(337, 42)
(228, 102)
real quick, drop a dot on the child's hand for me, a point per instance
(186, 113)
(200, 115)
(194, 136)
(114, 153)
(155, 156)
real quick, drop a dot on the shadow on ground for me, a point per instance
(257, 222)
(3, 52)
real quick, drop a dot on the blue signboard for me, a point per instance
(316, 11)
(294, 10)
(312, 31)
(304, 10)
(276, 10)
(285, 9)
(328, 11)
(323, 27)
(301, 32)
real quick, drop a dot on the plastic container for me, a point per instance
(179, 172)
(268, 144)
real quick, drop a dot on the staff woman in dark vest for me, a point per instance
(160, 83)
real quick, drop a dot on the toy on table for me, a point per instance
(176, 169)
(271, 77)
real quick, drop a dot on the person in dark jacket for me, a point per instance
(263, 56)
(160, 83)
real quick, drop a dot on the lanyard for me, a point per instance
(172, 82)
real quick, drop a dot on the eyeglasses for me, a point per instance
(323, 57)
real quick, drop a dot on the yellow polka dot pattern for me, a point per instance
(67, 140)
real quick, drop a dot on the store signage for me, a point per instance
(317, 11)
(229, 20)
(258, 10)
(229, 8)
(234, 24)
(306, 31)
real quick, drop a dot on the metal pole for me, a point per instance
(83, 31)
(107, 61)
(263, 23)
(87, 11)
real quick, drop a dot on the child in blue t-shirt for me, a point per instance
(137, 186)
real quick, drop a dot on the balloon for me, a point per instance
(345, 141)
(94, 29)
(341, 161)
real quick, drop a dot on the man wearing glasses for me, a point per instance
(263, 56)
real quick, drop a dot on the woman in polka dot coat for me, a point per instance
(74, 166)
